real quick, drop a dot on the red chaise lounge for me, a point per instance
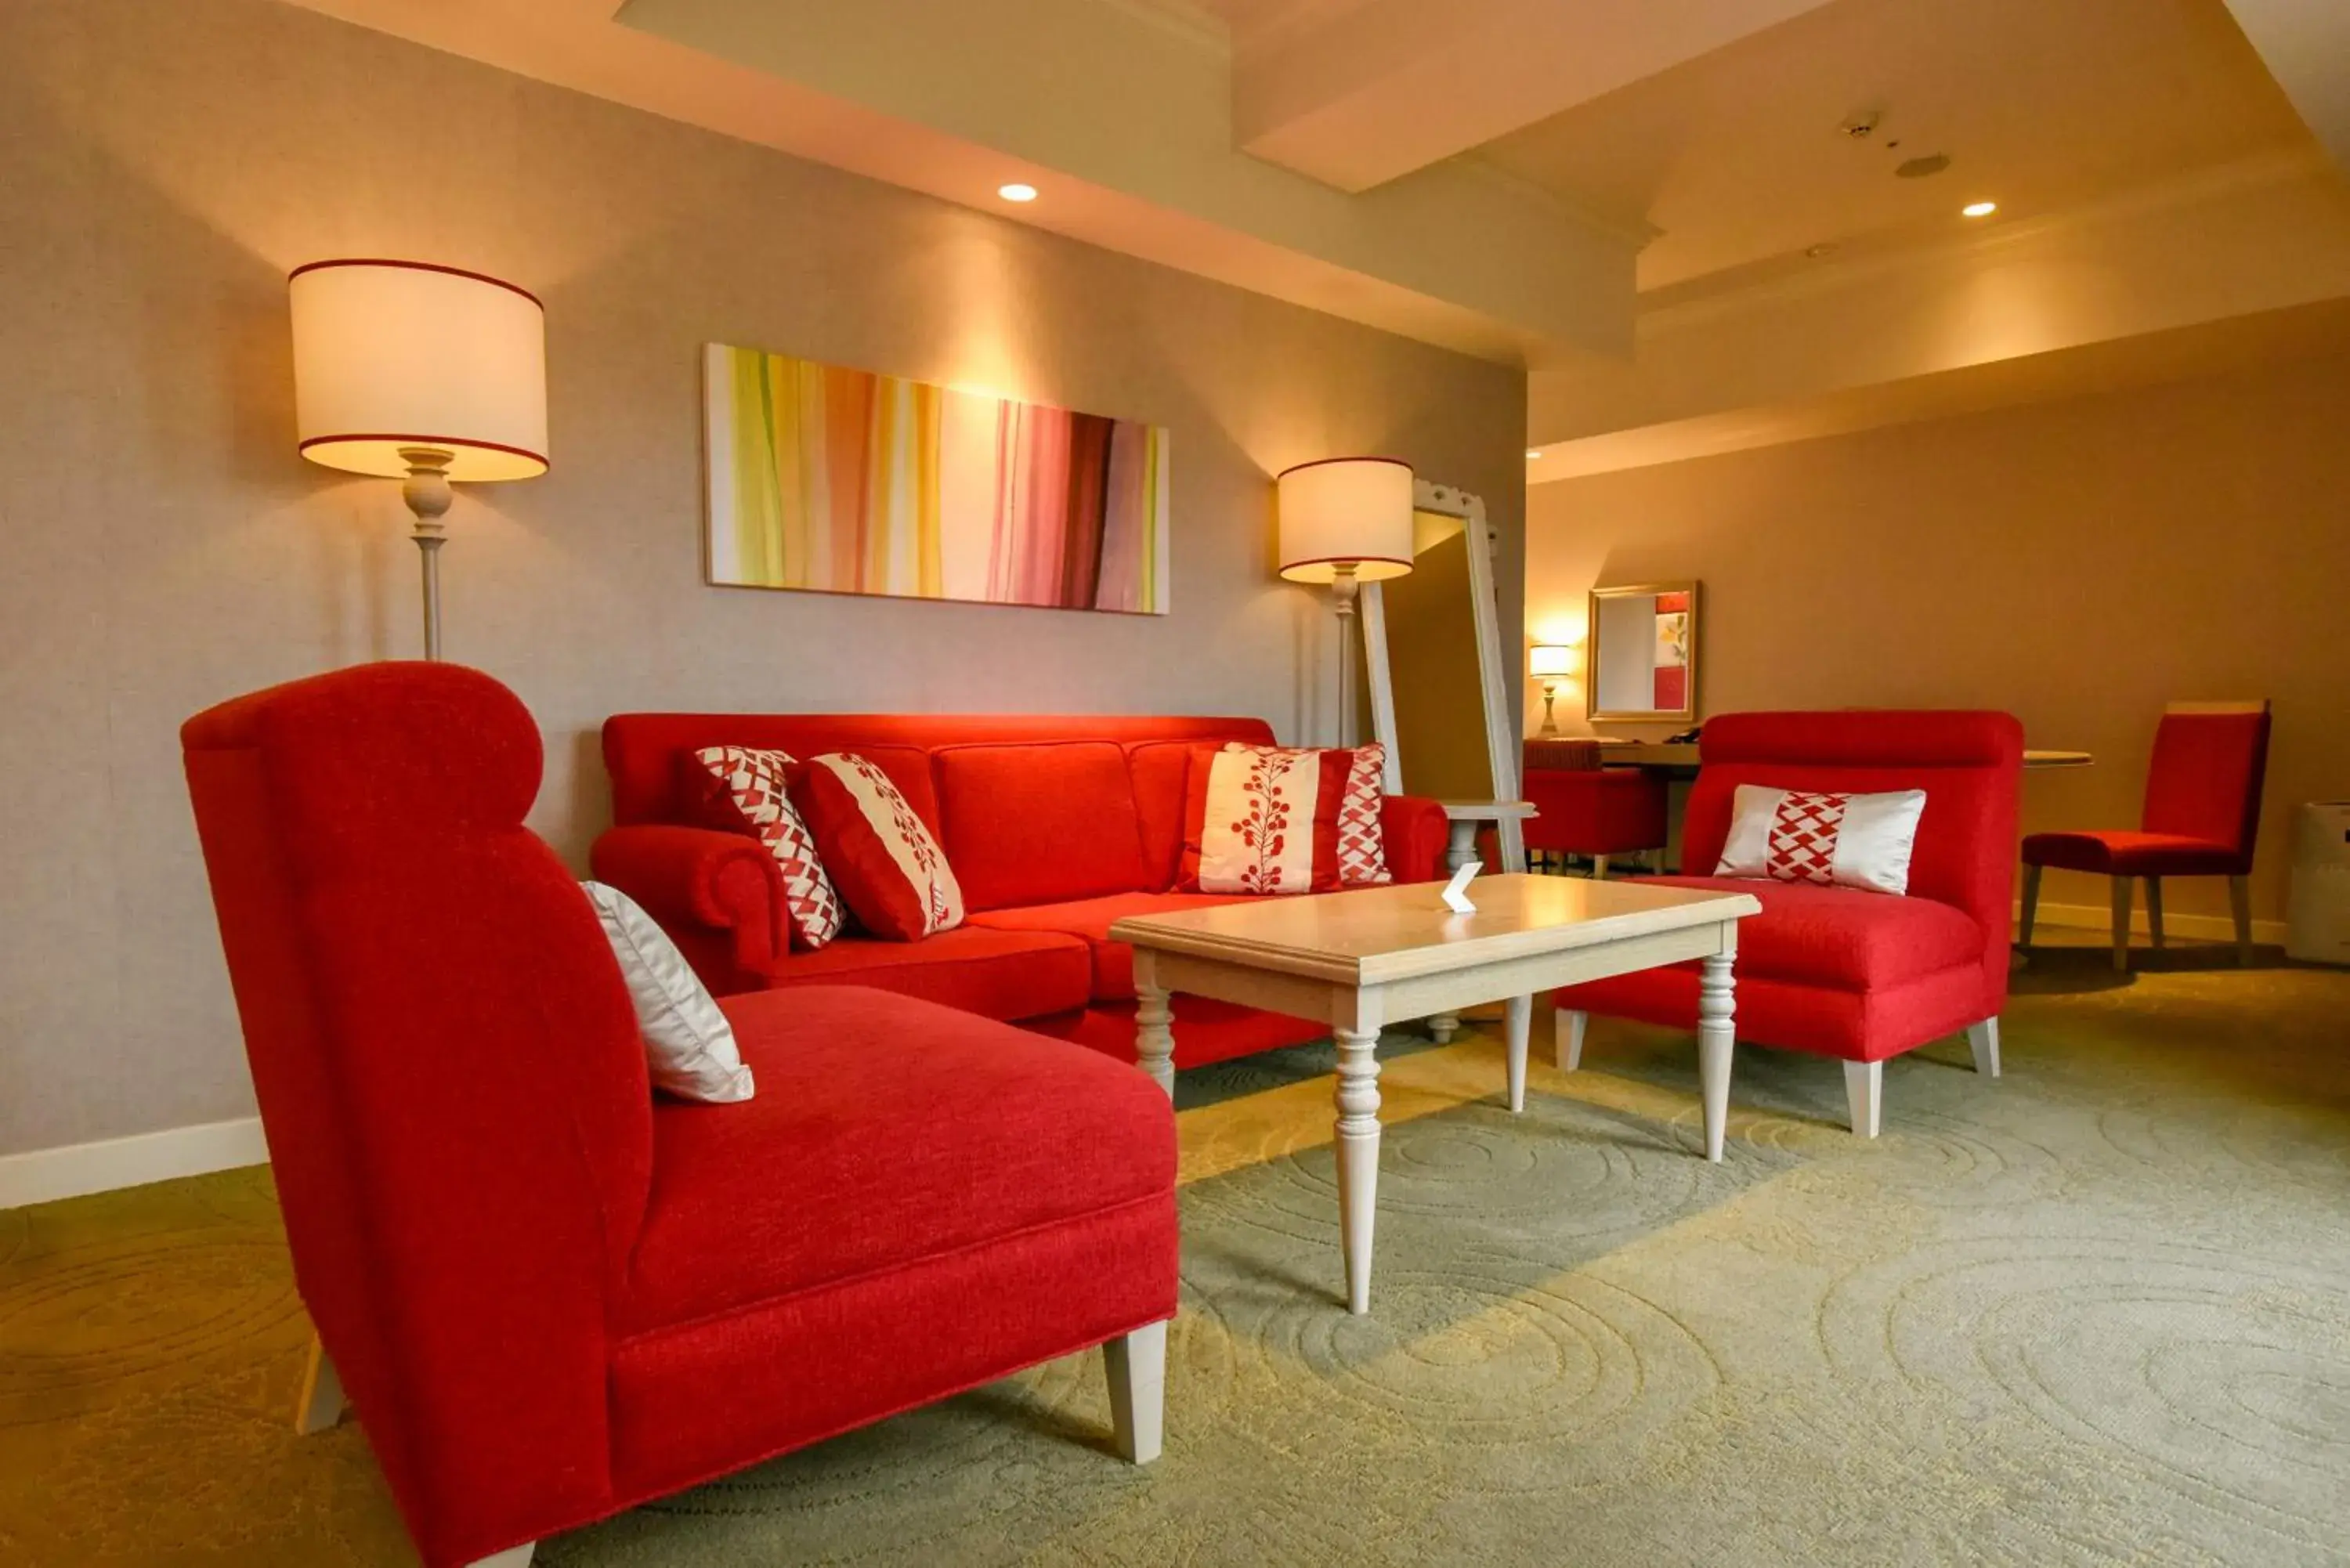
(1841, 971)
(1056, 827)
(550, 1295)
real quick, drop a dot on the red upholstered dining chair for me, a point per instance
(550, 1296)
(1843, 971)
(2202, 817)
(1583, 807)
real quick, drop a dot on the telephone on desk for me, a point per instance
(1688, 737)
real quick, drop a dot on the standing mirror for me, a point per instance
(1438, 693)
(1643, 644)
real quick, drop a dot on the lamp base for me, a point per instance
(1550, 720)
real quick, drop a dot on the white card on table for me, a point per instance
(1456, 896)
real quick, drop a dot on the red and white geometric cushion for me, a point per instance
(1828, 839)
(750, 795)
(1276, 819)
(892, 873)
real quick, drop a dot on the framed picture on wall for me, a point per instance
(830, 479)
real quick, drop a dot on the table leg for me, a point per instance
(1517, 1022)
(1715, 1039)
(1154, 1015)
(1359, 1158)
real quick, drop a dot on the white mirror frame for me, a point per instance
(1500, 743)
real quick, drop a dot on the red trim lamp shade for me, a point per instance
(1346, 520)
(414, 370)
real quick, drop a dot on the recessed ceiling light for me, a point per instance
(1979, 208)
(1016, 191)
(1923, 167)
(1534, 452)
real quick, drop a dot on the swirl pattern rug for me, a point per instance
(2095, 1312)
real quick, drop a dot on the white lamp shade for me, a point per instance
(391, 354)
(1345, 510)
(1550, 661)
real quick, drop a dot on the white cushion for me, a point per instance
(689, 1046)
(1826, 837)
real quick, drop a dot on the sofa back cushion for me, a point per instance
(1039, 824)
(1161, 770)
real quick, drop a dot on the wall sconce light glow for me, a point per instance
(1534, 453)
(1016, 191)
(1979, 208)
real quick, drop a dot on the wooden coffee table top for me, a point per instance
(1369, 936)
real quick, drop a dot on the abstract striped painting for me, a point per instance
(851, 483)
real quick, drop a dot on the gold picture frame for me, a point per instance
(1655, 652)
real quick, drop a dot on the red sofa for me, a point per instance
(1054, 827)
(1839, 970)
(551, 1295)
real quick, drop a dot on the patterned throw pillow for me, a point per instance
(1826, 838)
(884, 861)
(748, 794)
(1274, 819)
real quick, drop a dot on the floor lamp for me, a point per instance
(1346, 520)
(431, 374)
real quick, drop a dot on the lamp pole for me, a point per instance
(427, 495)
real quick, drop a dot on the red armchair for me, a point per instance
(1838, 971)
(2203, 815)
(549, 1296)
(1585, 808)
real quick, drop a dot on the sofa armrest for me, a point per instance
(720, 896)
(1416, 831)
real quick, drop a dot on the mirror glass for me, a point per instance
(1434, 668)
(1644, 652)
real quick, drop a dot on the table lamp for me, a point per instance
(1346, 520)
(1550, 663)
(431, 373)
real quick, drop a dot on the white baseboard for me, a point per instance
(46, 1174)
(2202, 928)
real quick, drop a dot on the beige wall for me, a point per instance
(2077, 563)
(164, 162)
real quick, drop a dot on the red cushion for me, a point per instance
(1163, 775)
(1833, 1020)
(2132, 854)
(1036, 823)
(1089, 919)
(862, 823)
(995, 974)
(1842, 936)
(2204, 780)
(885, 1130)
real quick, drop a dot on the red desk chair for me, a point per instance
(2202, 813)
(1585, 808)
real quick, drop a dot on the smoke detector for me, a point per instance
(1861, 127)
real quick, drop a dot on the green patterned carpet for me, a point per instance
(2097, 1312)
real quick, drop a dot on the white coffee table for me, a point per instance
(1361, 959)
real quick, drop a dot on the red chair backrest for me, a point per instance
(2206, 777)
(1968, 763)
(448, 1066)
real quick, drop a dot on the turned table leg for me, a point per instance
(1154, 1034)
(1359, 1158)
(1715, 1039)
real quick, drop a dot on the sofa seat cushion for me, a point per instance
(2132, 854)
(1089, 919)
(887, 1131)
(1844, 937)
(1002, 974)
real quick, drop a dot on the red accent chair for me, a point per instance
(2201, 817)
(1586, 808)
(1055, 826)
(550, 1295)
(1841, 971)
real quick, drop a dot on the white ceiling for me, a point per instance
(1737, 157)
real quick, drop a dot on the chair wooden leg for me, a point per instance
(2031, 906)
(1138, 1391)
(321, 1404)
(1569, 1027)
(1599, 867)
(2240, 903)
(2121, 923)
(1982, 1039)
(2154, 911)
(1864, 1095)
